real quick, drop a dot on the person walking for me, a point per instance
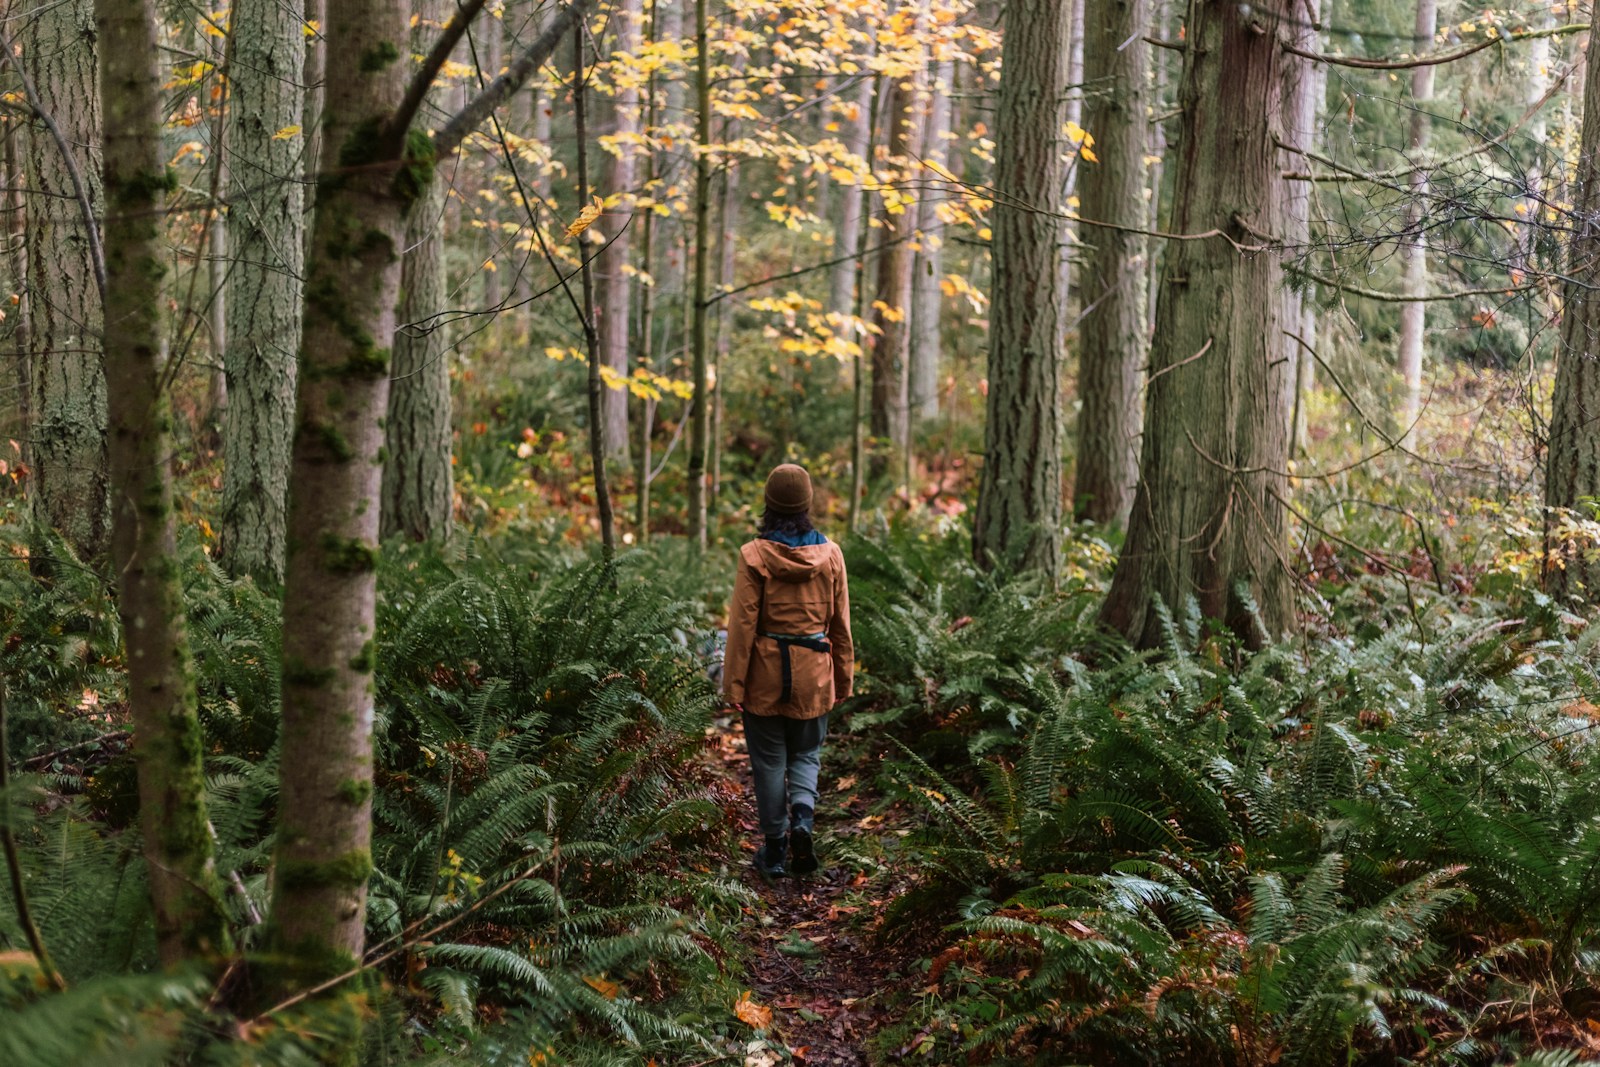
(789, 661)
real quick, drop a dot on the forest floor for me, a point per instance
(815, 956)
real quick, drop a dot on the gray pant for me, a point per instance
(781, 747)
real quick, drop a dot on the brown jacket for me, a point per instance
(795, 592)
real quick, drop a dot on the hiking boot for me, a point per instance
(769, 860)
(802, 851)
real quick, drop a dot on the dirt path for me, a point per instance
(814, 959)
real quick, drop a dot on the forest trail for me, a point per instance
(813, 956)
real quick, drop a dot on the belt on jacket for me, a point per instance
(814, 642)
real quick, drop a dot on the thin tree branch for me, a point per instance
(434, 62)
(517, 74)
(1435, 59)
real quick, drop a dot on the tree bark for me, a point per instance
(1413, 250)
(1111, 352)
(69, 388)
(161, 684)
(727, 250)
(1018, 520)
(927, 298)
(16, 209)
(418, 480)
(617, 186)
(372, 174)
(891, 346)
(1208, 517)
(847, 229)
(1572, 470)
(266, 235)
(700, 428)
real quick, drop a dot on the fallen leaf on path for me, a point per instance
(752, 1014)
(845, 783)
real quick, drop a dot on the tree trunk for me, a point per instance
(161, 687)
(490, 39)
(315, 71)
(1075, 94)
(891, 348)
(1413, 249)
(727, 249)
(927, 299)
(418, 480)
(700, 428)
(1111, 352)
(1208, 516)
(598, 449)
(17, 231)
(617, 186)
(1018, 520)
(69, 386)
(1572, 472)
(353, 279)
(847, 229)
(266, 234)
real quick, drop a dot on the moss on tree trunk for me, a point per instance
(161, 684)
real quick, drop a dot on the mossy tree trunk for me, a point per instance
(70, 480)
(161, 684)
(418, 480)
(266, 238)
(1111, 351)
(1018, 520)
(1572, 471)
(371, 173)
(1208, 518)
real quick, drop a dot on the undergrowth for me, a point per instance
(550, 876)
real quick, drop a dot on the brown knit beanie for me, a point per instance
(789, 490)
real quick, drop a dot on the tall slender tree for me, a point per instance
(927, 298)
(617, 187)
(66, 273)
(266, 236)
(1208, 518)
(373, 171)
(418, 479)
(1572, 466)
(161, 686)
(891, 339)
(857, 121)
(1111, 352)
(700, 428)
(1413, 249)
(1018, 519)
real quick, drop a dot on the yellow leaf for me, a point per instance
(586, 217)
(1088, 154)
(604, 986)
(751, 1013)
(185, 149)
(286, 133)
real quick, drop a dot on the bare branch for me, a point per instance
(516, 76)
(434, 62)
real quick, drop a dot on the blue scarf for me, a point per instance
(810, 537)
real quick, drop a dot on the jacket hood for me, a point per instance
(786, 564)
